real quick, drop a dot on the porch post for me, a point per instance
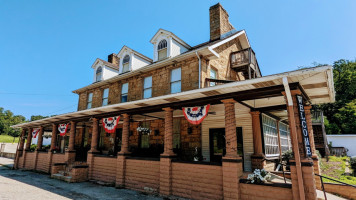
(53, 146)
(29, 139)
(302, 171)
(165, 186)
(258, 157)
(20, 149)
(70, 153)
(93, 146)
(314, 156)
(39, 146)
(231, 162)
(40, 139)
(121, 156)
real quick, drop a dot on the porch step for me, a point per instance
(61, 177)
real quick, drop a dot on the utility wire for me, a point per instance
(33, 94)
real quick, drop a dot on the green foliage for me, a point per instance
(353, 165)
(341, 115)
(335, 168)
(37, 117)
(287, 155)
(33, 147)
(8, 139)
(7, 119)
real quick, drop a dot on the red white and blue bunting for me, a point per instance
(110, 124)
(35, 132)
(195, 115)
(63, 128)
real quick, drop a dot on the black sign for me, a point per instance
(303, 123)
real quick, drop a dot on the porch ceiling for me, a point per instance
(317, 84)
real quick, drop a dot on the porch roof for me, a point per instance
(259, 93)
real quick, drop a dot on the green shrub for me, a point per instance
(33, 147)
(353, 165)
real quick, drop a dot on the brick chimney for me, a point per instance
(219, 22)
(112, 58)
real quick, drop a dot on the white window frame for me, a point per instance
(99, 76)
(126, 93)
(285, 137)
(160, 49)
(124, 64)
(216, 76)
(270, 136)
(105, 99)
(176, 81)
(147, 87)
(90, 100)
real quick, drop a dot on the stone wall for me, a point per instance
(42, 162)
(253, 191)
(346, 191)
(30, 160)
(104, 169)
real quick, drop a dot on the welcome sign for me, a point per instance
(303, 123)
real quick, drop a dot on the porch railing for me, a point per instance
(322, 183)
(245, 61)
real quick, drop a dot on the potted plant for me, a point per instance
(286, 156)
(259, 176)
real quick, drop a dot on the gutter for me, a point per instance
(196, 52)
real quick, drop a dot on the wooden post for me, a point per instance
(258, 158)
(40, 139)
(121, 156)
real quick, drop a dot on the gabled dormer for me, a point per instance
(104, 70)
(131, 60)
(167, 45)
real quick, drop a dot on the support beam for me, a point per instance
(40, 139)
(168, 132)
(54, 137)
(72, 136)
(95, 136)
(258, 158)
(29, 139)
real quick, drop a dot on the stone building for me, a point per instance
(251, 120)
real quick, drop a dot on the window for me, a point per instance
(105, 96)
(176, 133)
(99, 74)
(147, 87)
(270, 136)
(176, 80)
(126, 64)
(90, 100)
(213, 75)
(124, 92)
(285, 137)
(145, 138)
(162, 49)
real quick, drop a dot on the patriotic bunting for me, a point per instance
(110, 124)
(195, 115)
(62, 128)
(35, 132)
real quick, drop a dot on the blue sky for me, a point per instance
(48, 47)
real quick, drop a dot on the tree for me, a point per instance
(7, 119)
(37, 117)
(340, 116)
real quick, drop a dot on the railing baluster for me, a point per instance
(322, 186)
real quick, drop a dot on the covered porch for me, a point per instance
(178, 158)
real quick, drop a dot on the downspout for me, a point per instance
(199, 69)
(293, 133)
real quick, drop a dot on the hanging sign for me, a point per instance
(35, 132)
(195, 115)
(110, 124)
(62, 128)
(303, 123)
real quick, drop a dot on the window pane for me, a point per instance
(162, 54)
(147, 93)
(105, 102)
(212, 74)
(90, 97)
(125, 88)
(125, 67)
(89, 105)
(124, 98)
(145, 141)
(176, 87)
(176, 75)
(270, 134)
(147, 83)
(106, 93)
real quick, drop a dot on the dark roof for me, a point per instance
(116, 67)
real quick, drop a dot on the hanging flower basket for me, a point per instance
(143, 131)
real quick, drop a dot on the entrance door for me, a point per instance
(81, 152)
(118, 141)
(218, 145)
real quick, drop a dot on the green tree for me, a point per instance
(37, 117)
(340, 116)
(7, 119)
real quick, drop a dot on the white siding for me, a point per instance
(177, 48)
(138, 62)
(109, 72)
(243, 119)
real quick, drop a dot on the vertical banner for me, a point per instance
(303, 123)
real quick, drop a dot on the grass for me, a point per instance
(335, 168)
(8, 139)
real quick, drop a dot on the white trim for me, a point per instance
(287, 90)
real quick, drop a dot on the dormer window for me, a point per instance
(99, 74)
(162, 49)
(126, 64)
